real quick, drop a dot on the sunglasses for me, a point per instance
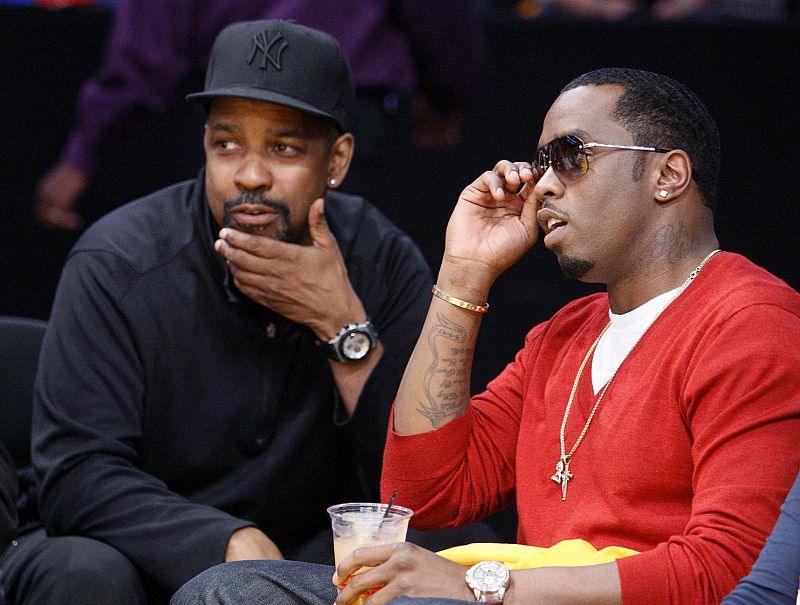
(568, 158)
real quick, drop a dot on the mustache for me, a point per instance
(256, 199)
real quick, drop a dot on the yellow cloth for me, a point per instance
(567, 553)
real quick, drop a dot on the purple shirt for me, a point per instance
(435, 46)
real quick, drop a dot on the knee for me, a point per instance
(198, 590)
(88, 571)
(215, 585)
(258, 583)
(88, 560)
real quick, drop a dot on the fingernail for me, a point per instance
(223, 233)
(218, 245)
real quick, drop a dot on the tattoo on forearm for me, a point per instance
(674, 242)
(445, 383)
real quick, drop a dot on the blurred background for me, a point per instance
(741, 57)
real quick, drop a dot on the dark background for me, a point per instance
(744, 73)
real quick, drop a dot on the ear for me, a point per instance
(673, 177)
(339, 160)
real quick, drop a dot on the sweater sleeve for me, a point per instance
(469, 463)
(741, 407)
(88, 414)
(146, 58)
(775, 576)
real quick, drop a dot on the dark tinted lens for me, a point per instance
(542, 161)
(568, 158)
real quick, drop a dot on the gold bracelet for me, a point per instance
(458, 302)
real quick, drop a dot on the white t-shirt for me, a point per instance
(624, 333)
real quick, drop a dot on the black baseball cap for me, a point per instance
(281, 62)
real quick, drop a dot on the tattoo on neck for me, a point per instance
(674, 243)
(445, 384)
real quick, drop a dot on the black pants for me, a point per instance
(69, 570)
(37, 569)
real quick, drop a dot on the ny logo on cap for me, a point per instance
(262, 42)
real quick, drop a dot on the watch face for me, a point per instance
(489, 576)
(356, 345)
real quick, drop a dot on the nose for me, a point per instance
(254, 172)
(549, 186)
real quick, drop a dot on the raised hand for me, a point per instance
(306, 284)
(494, 221)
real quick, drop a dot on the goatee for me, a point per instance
(574, 268)
(283, 231)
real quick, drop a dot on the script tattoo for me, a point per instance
(446, 379)
(674, 243)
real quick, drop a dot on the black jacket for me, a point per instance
(170, 410)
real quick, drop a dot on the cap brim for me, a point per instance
(267, 96)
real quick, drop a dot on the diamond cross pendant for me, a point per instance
(562, 475)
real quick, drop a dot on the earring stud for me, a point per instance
(331, 182)
(663, 193)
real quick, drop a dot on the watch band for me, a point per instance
(493, 599)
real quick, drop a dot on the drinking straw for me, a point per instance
(388, 507)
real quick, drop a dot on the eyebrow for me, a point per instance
(291, 133)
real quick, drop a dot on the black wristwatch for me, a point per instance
(352, 343)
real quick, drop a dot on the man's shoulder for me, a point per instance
(350, 217)
(739, 283)
(362, 229)
(582, 309)
(566, 321)
(146, 231)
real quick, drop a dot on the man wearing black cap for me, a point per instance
(222, 354)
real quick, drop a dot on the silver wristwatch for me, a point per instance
(488, 581)
(352, 343)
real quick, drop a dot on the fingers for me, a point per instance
(366, 556)
(318, 225)
(244, 249)
(397, 569)
(247, 251)
(507, 177)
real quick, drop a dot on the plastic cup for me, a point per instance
(358, 524)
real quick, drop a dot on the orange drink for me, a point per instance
(358, 524)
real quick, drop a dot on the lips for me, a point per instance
(552, 224)
(253, 214)
(550, 220)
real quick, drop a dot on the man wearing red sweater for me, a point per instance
(662, 416)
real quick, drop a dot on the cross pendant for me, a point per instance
(562, 475)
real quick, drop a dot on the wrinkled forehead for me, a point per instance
(588, 112)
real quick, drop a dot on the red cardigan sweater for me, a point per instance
(688, 459)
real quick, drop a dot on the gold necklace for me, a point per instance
(563, 475)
